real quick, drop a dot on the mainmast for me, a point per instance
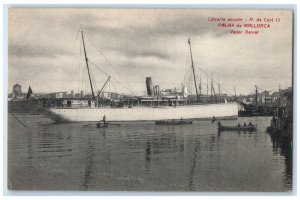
(206, 84)
(211, 86)
(200, 86)
(193, 69)
(256, 96)
(87, 65)
(265, 97)
(219, 86)
(235, 93)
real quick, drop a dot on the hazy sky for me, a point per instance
(45, 51)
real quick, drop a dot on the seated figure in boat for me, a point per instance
(213, 119)
(250, 124)
(101, 123)
(245, 124)
(239, 125)
(219, 124)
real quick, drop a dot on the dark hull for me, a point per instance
(236, 128)
(30, 106)
(106, 124)
(102, 125)
(173, 122)
(253, 111)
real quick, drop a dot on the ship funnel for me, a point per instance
(184, 91)
(149, 86)
(156, 90)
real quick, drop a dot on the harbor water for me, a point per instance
(142, 156)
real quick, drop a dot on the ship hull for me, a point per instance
(207, 111)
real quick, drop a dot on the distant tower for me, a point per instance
(149, 86)
(81, 93)
(72, 94)
(17, 90)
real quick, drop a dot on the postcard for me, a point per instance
(168, 100)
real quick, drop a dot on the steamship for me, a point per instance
(154, 106)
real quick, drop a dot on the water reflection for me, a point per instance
(193, 167)
(88, 162)
(282, 146)
(29, 145)
(53, 143)
(146, 157)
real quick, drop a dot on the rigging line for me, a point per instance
(95, 84)
(187, 63)
(78, 33)
(106, 73)
(185, 78)
(187, 68)
(204, 85)
(109, 85)
(85, 84)
(213, 80)
(191, 81)
(110, 64)
(106, 59)
(93, 79)
(82, 80)
(113, 78)
(113, 86)
(82, 73)
(189, 91)
(79, 69)
(99, 69)
(124, 86)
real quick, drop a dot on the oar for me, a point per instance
(90, 124)
(105, 123)
(18, 120)
(112, 124)
(115, 124)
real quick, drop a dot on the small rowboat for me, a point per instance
(237, 128)
(173, 122)
(106, 124)
(101, 125)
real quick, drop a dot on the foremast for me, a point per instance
(87, 64)
(189, 42)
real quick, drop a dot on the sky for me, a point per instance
(45, 50)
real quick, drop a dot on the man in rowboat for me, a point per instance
(104, 119)
(213, 119)
(219, 124)
(102, 122)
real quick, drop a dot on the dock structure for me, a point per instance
(281, 123)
